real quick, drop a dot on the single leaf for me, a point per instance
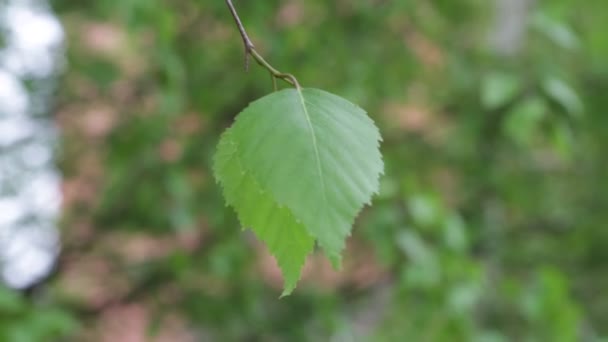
(498, 89)
(309, 152)
(524, 119)
(557, 31)
(563, 94)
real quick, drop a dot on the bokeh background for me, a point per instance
(491, 222)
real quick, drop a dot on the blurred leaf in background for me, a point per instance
(490, 224)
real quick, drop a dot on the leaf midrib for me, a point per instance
(315, 148)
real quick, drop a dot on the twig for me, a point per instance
(251, 51)
(246, 41)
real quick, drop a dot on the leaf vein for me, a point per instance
(316, 149)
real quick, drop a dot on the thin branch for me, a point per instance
(251, 51)
(246, 41)
(274, 82)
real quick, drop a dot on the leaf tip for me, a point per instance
(286, 292)
(336, 261)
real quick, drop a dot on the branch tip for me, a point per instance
(251, 52)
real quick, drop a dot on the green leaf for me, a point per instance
(297, 166)
(524, 119)
(557, 31)
(562, 93)
(498, 89)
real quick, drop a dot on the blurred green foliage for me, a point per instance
(36, 319)
(490, 224)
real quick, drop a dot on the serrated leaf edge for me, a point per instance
(287, 289)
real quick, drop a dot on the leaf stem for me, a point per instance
(251, 51)
(274, 82)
